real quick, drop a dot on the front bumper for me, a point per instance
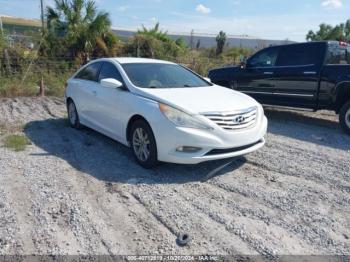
(215, 144)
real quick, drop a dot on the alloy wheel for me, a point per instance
(141, 144)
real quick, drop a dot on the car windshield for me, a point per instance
(161, 75)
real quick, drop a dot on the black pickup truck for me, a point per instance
(313, 75)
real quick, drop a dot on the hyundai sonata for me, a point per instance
(164, 111)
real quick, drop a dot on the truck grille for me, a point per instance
(234, 120)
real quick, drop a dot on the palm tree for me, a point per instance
(78, 26)
(154, 32)
(220, 42)
(154, 43)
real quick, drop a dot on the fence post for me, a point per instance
(8, 64)
(42, 87)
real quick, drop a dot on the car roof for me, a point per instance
(137, 60)
(324, 42)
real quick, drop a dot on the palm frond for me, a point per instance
(90, 11)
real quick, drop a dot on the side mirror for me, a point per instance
(243, 64)
(111, 83)
(207, 79)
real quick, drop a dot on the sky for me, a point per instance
(268, 19)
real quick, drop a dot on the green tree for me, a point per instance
(339, 32)
(154, 32)
(181, 43)
(154, 43)
(75, 28)
(220, 42)
(236, 52)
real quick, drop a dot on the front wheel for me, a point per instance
(143, 144)
(73, 116)
(344, 117)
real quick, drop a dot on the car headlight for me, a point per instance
(180, 118)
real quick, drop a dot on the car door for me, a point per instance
(85, 83)
(297, 74)
(256, 79)
(111, 103)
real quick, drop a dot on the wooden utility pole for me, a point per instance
(42, 15)
(42, 84)
(2, 30)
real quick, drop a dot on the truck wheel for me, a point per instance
(344, 117)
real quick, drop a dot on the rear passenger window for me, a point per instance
(300, 55)
(90, 72)
(338, 55)
(109, 70)
(264, 58)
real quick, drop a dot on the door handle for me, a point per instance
(309, 73)
(268, 73)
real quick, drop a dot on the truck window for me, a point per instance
(338, 55)
(264, 58)
(300, 55)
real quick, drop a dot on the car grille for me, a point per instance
(234, 120)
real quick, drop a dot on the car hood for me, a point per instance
(200, 99)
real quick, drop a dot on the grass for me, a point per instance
(16, 142)
(13, 86)
(21, 21)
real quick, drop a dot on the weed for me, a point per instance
(16, 142)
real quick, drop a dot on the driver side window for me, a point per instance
(109, 70)
(264, 58)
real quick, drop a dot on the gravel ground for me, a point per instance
(78, 192)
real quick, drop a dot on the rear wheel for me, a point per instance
(73, 116)
(143, 144)
(344, 117)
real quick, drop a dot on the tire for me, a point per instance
(344, 117)
(143, 144)
(73, 116)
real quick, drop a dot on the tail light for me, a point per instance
(65, 85)
(342, 43)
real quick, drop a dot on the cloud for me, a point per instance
(153, 20)
(203, 9)
(332, 3)
(123, 8)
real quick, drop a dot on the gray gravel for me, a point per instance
(78, 192)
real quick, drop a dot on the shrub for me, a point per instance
(16, 142)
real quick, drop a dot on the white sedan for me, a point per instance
(164, 111)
